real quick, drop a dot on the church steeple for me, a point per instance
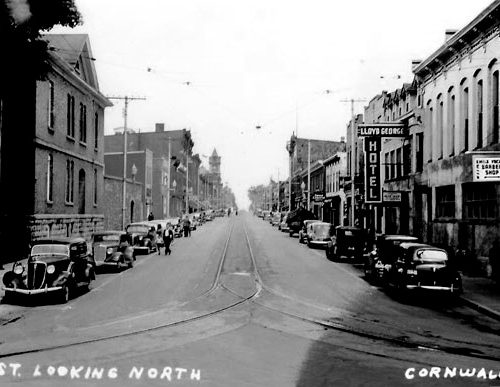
(214, 163)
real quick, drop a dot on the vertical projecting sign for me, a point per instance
(373, 178)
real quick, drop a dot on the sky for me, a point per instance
(244, 75)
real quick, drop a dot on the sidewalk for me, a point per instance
(482, 294)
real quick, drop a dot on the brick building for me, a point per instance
(52, 149)
(459, 84)
(181, 145)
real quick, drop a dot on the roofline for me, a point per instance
(456, 37)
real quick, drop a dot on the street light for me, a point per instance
(303, 187)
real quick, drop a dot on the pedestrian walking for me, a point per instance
(159, 239)
(186, 224)
(168, 237)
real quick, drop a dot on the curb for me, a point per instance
(481, 308)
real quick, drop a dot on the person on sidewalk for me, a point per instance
(168, 237)
(186, 224)
(151, 217)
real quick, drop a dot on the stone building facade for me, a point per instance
(52, 151)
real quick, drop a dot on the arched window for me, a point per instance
(464, 119)
(439, 126)
(430, 118)
(494, 132)
(451, 121)
(479, 113)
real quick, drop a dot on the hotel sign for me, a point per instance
(486, 168)
(373, 178)
(383, 130)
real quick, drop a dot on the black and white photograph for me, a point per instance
(249, 193)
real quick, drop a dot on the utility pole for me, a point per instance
(308, 175)
(353, 156)
(279, 208)
(187, 182)
(168, 177)
(125, 131)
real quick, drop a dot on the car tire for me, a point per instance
(131, 264)
(290, 233)
(309, 243)
(8, 298)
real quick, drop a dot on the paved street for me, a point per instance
(242, 304)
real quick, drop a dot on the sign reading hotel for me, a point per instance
(373, 178)
(383, 130)
(486, 168)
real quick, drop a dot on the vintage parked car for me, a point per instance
(295, 219)
(266, 215)
(283, 226)
(303, 230)
(55, 266)
(385, 248)
(276, 219)
(421, 266)
(347, 241)
(141, 240)
(113, 248)
(319, 234)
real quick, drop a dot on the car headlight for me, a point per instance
(51, 269)
(109, 251)
(140, 237)
(19, 269)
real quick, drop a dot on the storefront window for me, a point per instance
(479, 200)
(445, 201)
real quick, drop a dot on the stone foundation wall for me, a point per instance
(45, 226)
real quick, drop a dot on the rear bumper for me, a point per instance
(319, 243)
(32, 292)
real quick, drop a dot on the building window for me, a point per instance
(495, 108)
(479, 201)
(70, 173)
(387, 166)
(95, 187)
(420, 152)
(70, 116)
(96, 130)
(465, 117)
(394, 165)
(430, 118)
(407, 159)
(399, 163)
(479, 107)
(440, 127)
(50, 178)
(51, 116)
(83, 123)
(451, 122)
(445, 201)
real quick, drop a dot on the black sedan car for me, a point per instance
(421, 267)
(113, 248)
(55, 266)
(349, 242)
(382, 253)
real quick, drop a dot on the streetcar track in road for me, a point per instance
(253, 298)
(215, 285)
(459, 351)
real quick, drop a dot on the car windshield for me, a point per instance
(107, 238)
(323, 229)
(50, 250)
(430, 256)
(138, 228)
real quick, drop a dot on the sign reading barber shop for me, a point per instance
(373, 178)
(486, 168)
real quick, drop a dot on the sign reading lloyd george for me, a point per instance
(486, 168)
(383, 130)
(373, 179)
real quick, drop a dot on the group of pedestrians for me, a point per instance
(163, 238)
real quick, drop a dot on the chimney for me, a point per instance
(415, 63)
(448, 34)
(159, 127)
